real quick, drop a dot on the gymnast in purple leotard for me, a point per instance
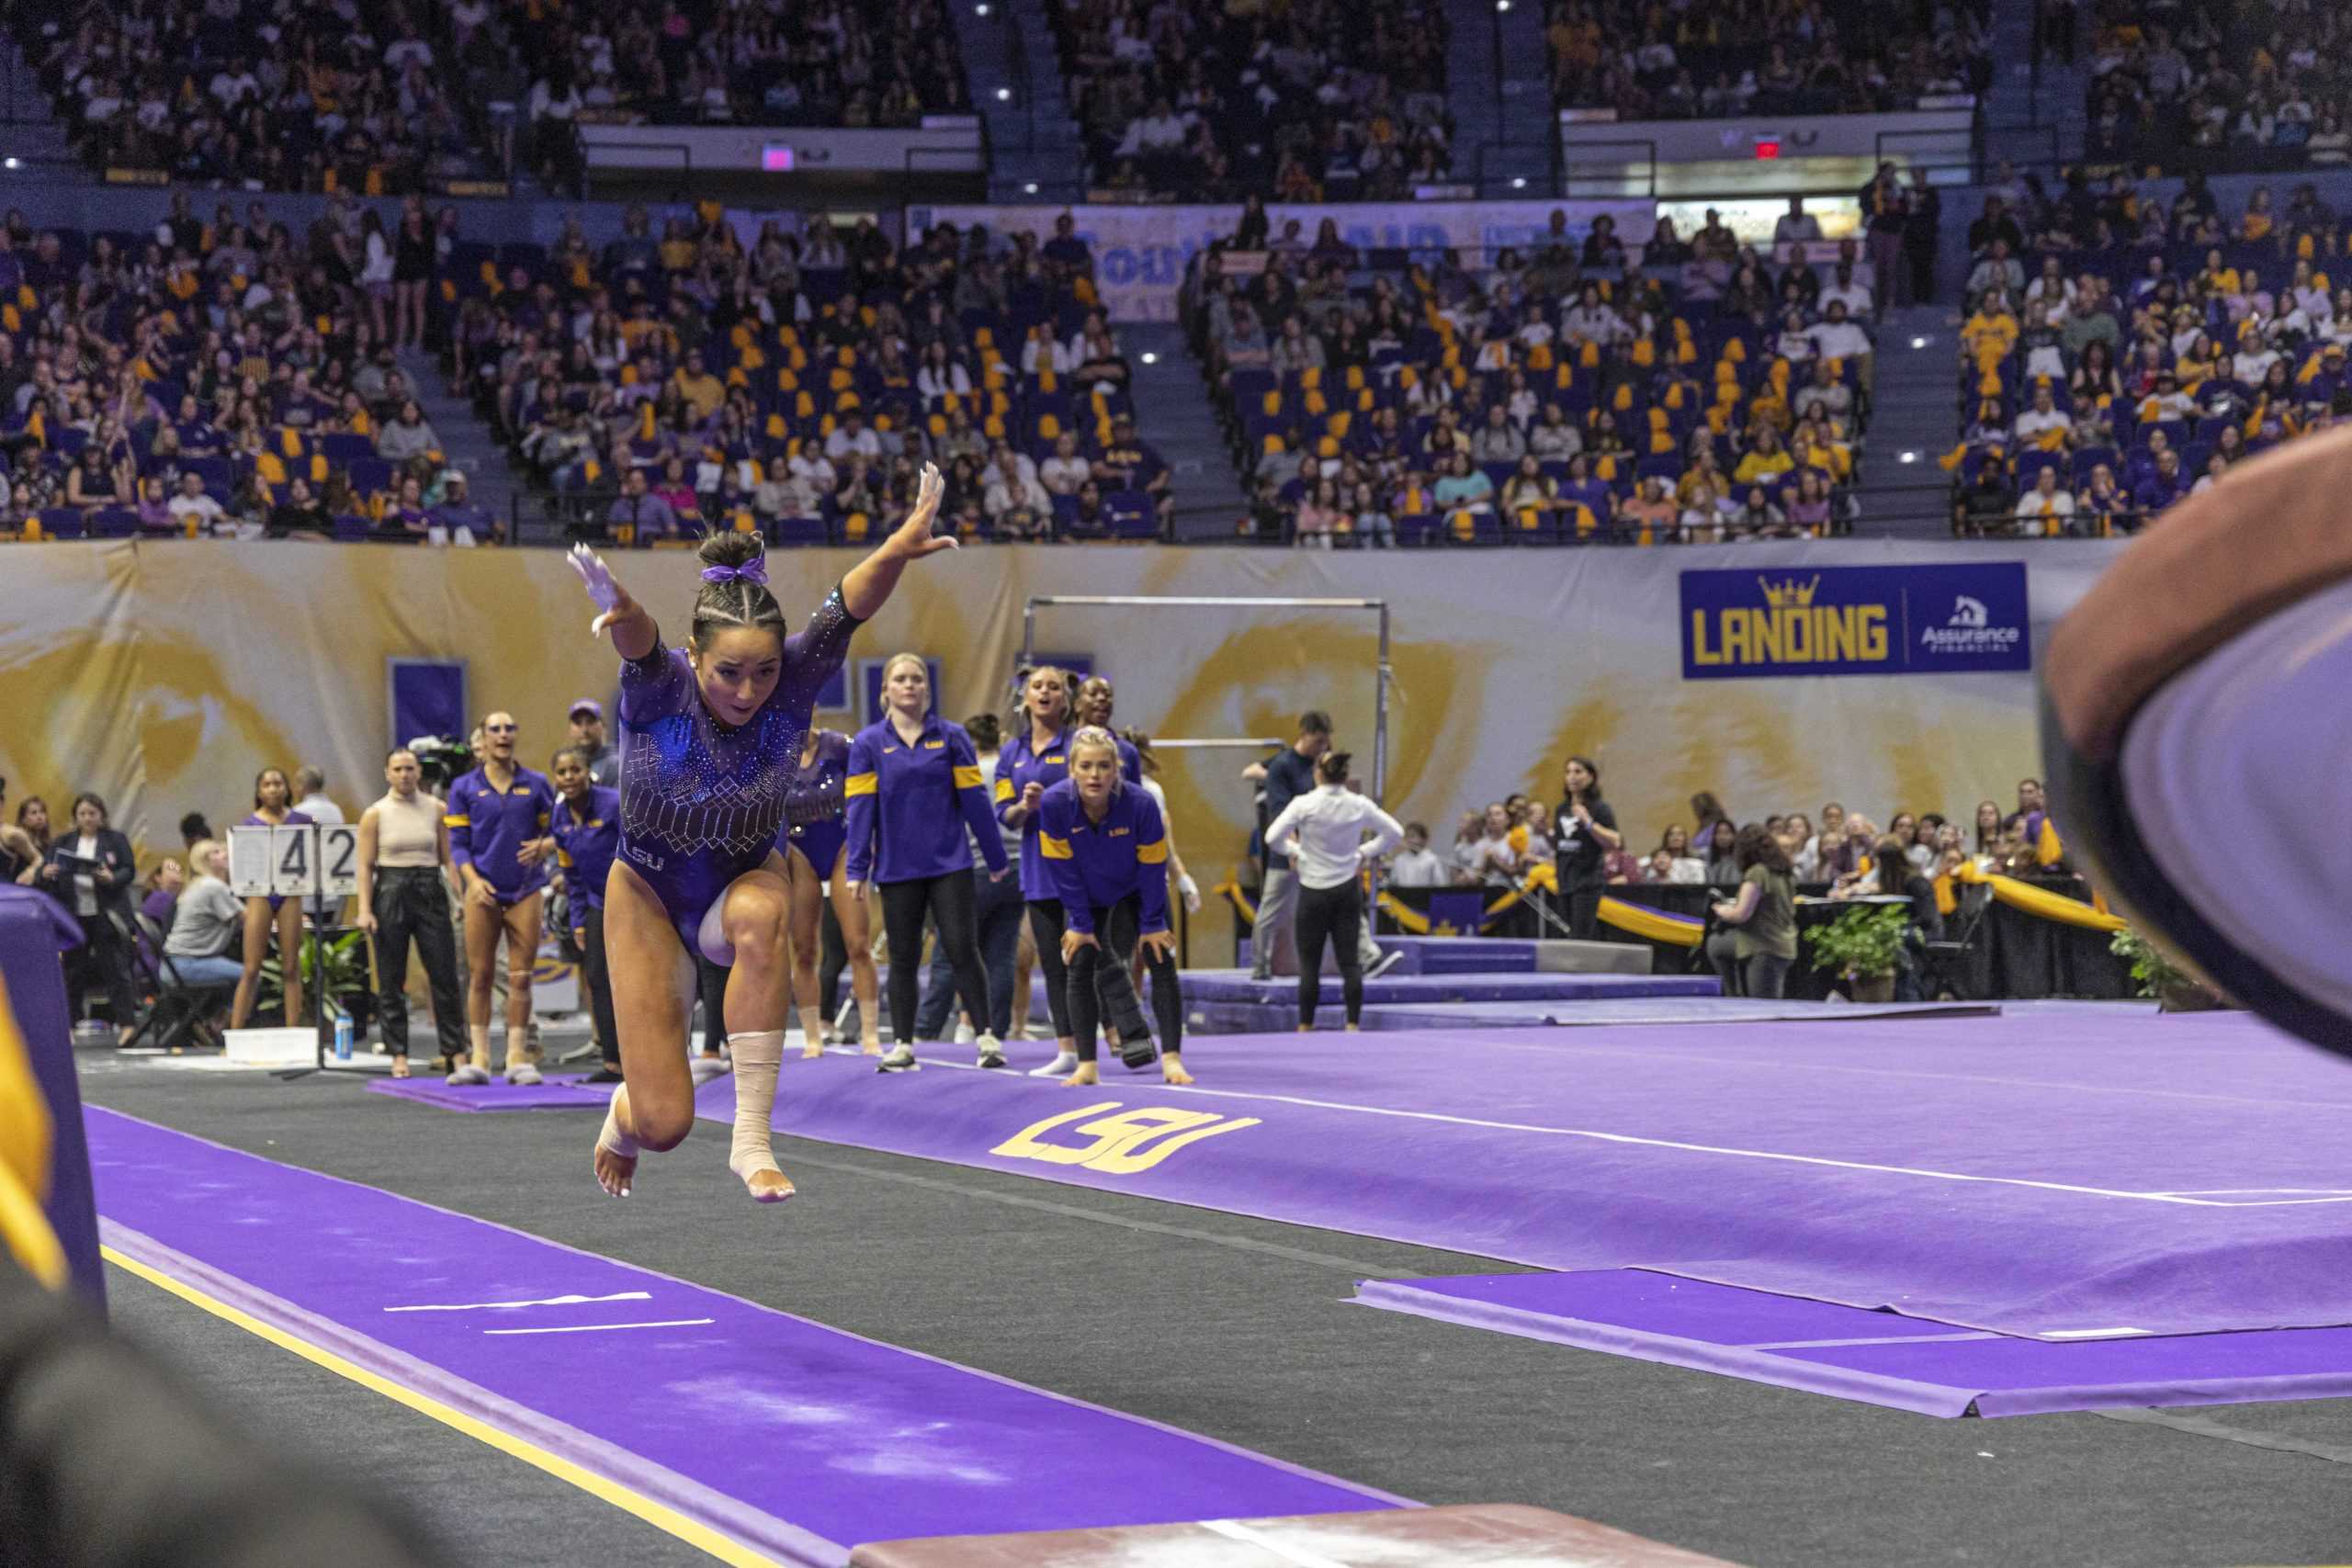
(710, 736)
(816, 841)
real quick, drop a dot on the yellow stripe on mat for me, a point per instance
(666, 1519)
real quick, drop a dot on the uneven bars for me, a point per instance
(1234, 741)
(1142, 599)
(1383, 672)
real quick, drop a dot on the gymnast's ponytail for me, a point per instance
(1331, 767)
(734, 588)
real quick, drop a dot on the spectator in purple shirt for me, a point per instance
(458, 520)
(2166, 485)
(639, 509)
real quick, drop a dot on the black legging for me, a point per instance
(1047, 923)
(1114, 937)
(599, 980)
(102, 963)
(710, 980)
(948, 901)
(412, 905)
(1335, 914)
(834, 949)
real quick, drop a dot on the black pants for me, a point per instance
(101, 963)
(1047, 923)
(1336, 915)
(589, 921)
(1759, 975)
(1583, 900)
(948, 901)
(1106, 964)
(710, 979)
(834, 949)
(1922, 260)
(412, 905)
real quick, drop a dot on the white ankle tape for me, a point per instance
(757, 1058)
(612, 1140)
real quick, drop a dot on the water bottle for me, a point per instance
(342, 1037)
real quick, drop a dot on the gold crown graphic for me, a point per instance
(1789, 594)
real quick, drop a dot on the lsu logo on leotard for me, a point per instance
(1119, 1145)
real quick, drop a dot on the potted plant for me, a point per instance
(2155, 973)
(1864, 947)
(346, 957)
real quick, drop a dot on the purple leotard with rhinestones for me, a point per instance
(814, 813)
(701, 803)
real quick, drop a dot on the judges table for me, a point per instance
(2010, 955)
(34, 930)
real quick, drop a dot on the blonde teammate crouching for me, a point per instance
(1107, 849)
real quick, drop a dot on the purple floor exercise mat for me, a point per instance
(1876, 1356)
(2177, 1175)
(793, 1438)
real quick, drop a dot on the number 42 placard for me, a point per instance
(294, 862)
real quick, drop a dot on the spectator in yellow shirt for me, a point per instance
(1767, 459)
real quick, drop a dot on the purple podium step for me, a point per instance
(1205, 986)
(1879, 1358)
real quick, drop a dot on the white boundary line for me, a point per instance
(2184, 1200)
(599, 1327)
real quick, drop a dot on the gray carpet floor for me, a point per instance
(1236, 1328)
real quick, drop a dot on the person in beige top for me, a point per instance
(403, 897)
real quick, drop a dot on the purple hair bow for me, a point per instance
(750, 572)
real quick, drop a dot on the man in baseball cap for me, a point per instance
(588, 734)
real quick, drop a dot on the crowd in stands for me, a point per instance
(2232, 83)
(1317, 100)
(1497, 846)
(843, 62)
(667, 384)
(2121, 352)
(219, 378)
(1585, 390)
(260, 94)
(1647, 61)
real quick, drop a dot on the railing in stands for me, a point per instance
(1641, 171)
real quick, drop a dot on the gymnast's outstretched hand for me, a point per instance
(634, 632)
(867, 587)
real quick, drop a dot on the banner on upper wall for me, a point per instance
(1140, 252)
(1963, 618)
(164, 675)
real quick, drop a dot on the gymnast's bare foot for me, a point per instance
(769, 1186)
(1085, 1078)
(616, 1171)
(810, 1052)
(1171, 1068)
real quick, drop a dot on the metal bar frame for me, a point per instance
(1381, 676)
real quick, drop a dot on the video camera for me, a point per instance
(442, 760)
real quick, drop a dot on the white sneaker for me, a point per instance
(991, 1052)
(902, 1059)
(524, 1076)
(705, 1068)
(1061, 1067)
(965, 1034)
(468, 1074)
(1387, 961)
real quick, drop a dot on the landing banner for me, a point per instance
(1140, 253)
(1960, 619)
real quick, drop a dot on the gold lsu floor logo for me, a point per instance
(1118, 1145)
